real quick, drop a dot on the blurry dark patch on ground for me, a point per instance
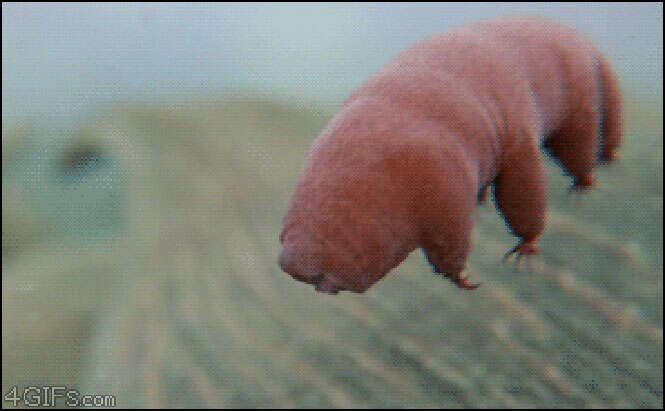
(78, 159)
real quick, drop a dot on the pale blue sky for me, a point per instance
(59, 60)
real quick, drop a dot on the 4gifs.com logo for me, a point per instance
(54, 396)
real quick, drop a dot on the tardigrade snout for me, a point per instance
(298, 268)
(302, 268)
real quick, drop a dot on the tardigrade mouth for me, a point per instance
(326, 285)
(322, 283)
(308, 270)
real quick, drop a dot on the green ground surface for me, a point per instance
(151, 274)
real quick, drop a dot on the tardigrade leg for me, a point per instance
(449, 246)
(611, 115)
(576, 144)
(520, 190)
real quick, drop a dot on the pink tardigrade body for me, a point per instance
(404, 162)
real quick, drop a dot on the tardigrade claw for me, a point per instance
(522, 249)
(581, 185)
(461, 282)
(464, 284)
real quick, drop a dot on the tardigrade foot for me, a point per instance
(523, 249)
(461, 282)
(581, 185)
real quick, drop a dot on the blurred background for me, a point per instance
(149, 152)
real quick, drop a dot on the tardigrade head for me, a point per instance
(331, 250)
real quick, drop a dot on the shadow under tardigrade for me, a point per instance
(187, 306)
